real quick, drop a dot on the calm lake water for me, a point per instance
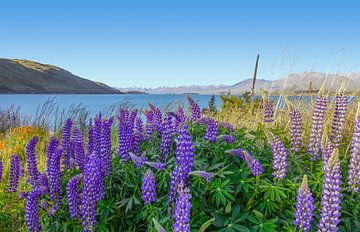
(29, 103)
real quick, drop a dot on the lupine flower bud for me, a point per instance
(236, 152)
(304, 207)
(157, 165)
(43, 183)
(66, 142)
(205, 175)
(227, 126)
(73, 195)
(318, 117)
(279, 157)
(90, 144)
(327, 148)
(22, 195)
(331, 195)
(148, 188)
(353, 178)
(92, 177)
(139, 161)
(267, 107)
(182, 212)
(229, 139)
(31, 162)
(14, 173)
(43, 204)
(22, 171)
(337, 127)
(106, 146)
(254, 165)
(296, 127)
(55, 176)
(32, 211)
(194, 109)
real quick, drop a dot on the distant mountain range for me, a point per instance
(24, 76)
(294, 83)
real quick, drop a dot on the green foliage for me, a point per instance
(240, 102)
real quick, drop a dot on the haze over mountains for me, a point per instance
(294, 83)
(24, 76)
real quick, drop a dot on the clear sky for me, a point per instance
(165, 43)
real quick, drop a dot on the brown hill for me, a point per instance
(24, 76)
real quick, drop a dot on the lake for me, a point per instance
(94, 103)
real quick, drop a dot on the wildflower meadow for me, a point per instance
(252, 165)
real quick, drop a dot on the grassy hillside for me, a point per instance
(24, 76)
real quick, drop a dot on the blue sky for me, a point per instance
(167, 43)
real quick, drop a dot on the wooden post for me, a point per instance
(255, 73)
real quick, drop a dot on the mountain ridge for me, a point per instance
(25, 76)
(294, 83)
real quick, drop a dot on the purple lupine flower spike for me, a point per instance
(73, 195)
(182, 212)
(304, 207)
(184, 154)
(211, 129)
(194, 109)
(90, 194)
(318, 118)
(148, 188)
(157, 165)
(205, 175)
(14, 173)
(55, 176)
(296, 126)
(66, 142)
(331, 195)
(254, 165)
(173, 185)
(181, 117)
(125, 134)
(353, 178)
(237, 152)
(337, 127)
(165, 144)
(53, 144)
(32, 211)
(1, 170)
(157, 118)
(229, 139)
(106, 145)
(79, 151)
(31, 161)
(268, 113)
(279, 157)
